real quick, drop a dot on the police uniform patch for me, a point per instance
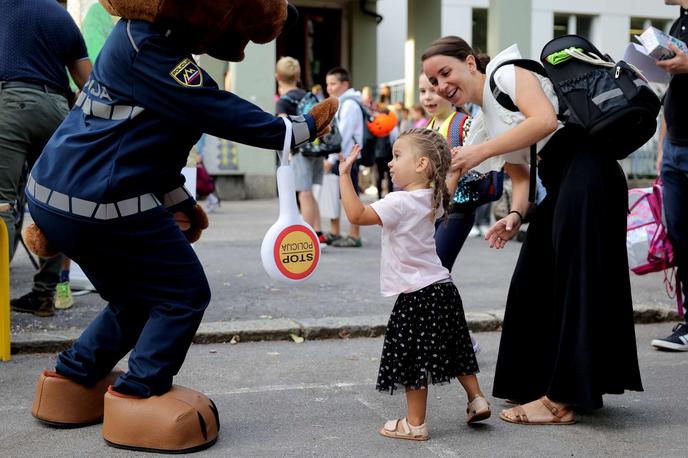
(187, 73)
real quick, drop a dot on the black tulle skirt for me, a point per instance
(568, 325)
(426, 341)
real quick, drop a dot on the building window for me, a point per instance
(479, 38)
(567, 24)
(639, 24)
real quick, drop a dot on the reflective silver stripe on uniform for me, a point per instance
(148, 201)
(135, 111)
(59, 201)
(100, 110)
(300, 131)
(128, 206)
(121, 112)
(86, 107)
(30, 185)
(83, 207)
(42, 193)
(175, 197)
(131, 39)
(106, 211)
(105, 111)
(80, 99)
(86, 208)
(603, 97)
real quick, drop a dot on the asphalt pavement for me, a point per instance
(318, 398)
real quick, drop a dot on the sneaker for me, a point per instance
(678, 341)
(39, 305)
(347, 242)
(63, 296)
(475, 232)
(330, 237)
(212, 203)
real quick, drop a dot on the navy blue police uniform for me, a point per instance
(105, 187)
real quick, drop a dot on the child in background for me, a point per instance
(427, 338)
(418, 116)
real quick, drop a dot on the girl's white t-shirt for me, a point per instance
(409, 257)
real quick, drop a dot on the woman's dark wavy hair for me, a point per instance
(456, 47)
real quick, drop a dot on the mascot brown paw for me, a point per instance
(60, 401)
(179, 421)
(37, 243)
(192, 222)
(323, 113)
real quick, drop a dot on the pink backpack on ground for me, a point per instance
(647, 243)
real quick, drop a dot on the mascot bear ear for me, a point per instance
(221, 28)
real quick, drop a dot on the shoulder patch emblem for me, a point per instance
(187, 73)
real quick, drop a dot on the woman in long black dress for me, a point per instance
(568, 335)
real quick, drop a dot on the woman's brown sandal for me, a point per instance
(401, 429)
(478, 410)
(557, 413)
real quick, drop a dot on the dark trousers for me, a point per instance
(28, 119)
(156, 291)
(382, 168)
(450, 237)
(675, 180)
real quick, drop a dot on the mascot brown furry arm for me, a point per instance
(107, 192)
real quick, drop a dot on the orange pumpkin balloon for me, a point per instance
(382, 124)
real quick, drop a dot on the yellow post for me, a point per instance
(4, 289)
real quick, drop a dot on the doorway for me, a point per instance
(315, 41)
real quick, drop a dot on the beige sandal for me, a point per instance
(408, 431)
(478, 409)
(522, 418)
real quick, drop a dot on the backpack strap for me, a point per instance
(504, 100)
(290, 99)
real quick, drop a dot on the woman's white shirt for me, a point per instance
(497, 119)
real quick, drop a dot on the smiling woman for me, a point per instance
(568, 334)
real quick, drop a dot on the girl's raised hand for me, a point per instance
(345, 164)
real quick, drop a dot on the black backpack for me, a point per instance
(610, 101)
(303, 106)
(369, 140)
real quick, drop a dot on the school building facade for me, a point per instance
(381, 42)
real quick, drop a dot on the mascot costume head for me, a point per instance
(107, 192)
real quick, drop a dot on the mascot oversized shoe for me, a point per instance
(179, 421)
(60, 401)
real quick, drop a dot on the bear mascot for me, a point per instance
(107, 192)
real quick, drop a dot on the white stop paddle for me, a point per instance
(290, 249)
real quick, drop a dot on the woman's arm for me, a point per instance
(356, 212)
(541, 120)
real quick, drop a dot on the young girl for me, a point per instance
(427, 337)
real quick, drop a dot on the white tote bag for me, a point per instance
(327, 196)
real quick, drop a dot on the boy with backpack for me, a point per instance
(351, 128)
(308, 169)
